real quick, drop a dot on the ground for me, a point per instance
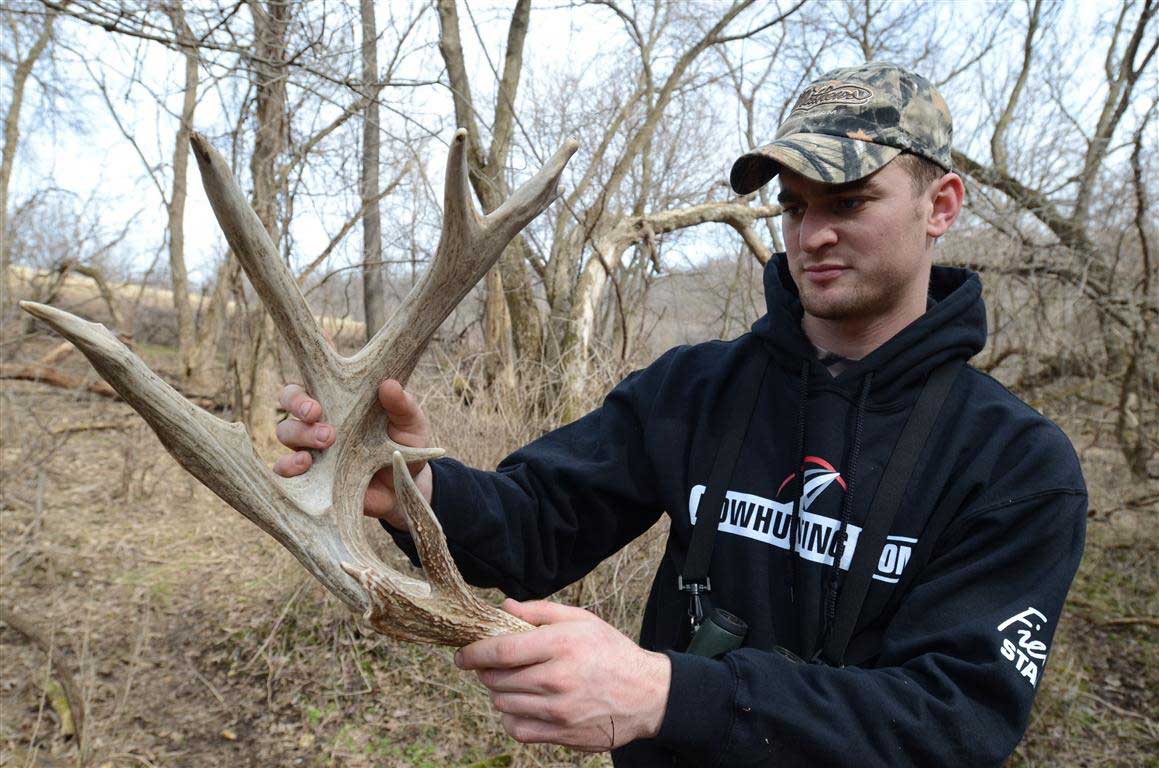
(196, 640)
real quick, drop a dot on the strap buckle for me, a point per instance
(695, 604)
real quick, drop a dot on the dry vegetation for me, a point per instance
(194, 639)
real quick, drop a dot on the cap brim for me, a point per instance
(816, 156)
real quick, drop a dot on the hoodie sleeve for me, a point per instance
(953, 685)
(556, 508)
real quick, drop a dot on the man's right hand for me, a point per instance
(406, 425)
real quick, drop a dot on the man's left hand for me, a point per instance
(575, 680)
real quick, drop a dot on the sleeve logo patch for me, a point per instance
(1027, 653)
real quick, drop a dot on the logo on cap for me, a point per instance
(831, 93)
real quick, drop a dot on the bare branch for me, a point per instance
(501, 130)
(348, 225)
(717, 40)
(31, 630)
(997, 139)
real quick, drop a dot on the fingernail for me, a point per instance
(459, 659)
(301, 459)
(324, 433)
(303, 410)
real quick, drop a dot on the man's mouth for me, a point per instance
(823, 273)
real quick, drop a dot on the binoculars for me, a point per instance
(720, 633)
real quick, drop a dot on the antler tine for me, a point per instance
(443, 610)
(387, 354)
(531, 199)
(458, 205)
(468, 248)
(430, 541)
(218, 454)
(270, 276)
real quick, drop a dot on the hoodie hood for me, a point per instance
(953, 327)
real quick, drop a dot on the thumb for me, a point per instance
(406, 417)
(540, 612)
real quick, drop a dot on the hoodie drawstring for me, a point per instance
(846, 511)
(799, 485)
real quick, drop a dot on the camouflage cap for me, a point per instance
(850, 123)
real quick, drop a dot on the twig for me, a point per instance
(1114, 708)
(53, 377)
(34, 634)
(134, 660)
(210, 686)
(92, 426)
(1124, 621)
(57, 353)
(277, 624)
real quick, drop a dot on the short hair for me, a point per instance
(922, 172)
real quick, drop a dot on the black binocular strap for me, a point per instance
(748, 383)
(883, 510)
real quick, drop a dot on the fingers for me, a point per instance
(507, 651)
(303, 432)
(521, 705)
(538, 678)
(293, 464)
(379, 499)
(532, 730)
(294, 400)
(540, 612)
(407, 422)
(527, 730)
(299, 434)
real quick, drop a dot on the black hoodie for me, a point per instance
(945, 659)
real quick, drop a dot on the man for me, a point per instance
(949, 644)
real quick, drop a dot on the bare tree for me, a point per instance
(511, 322)
(1065, 242)
(1072, 228)
(1137, 425)
(373, 284)
(602, 217)
(599, 227)
(191, 361)
(24, 62)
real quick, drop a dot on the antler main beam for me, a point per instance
(318, 516)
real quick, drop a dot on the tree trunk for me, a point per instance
(185, 333)
(608, 245)
(575, 351)
(487, 176)
(498, 357)
(373, 284)
(8, 158)
(210, 325)
(526, 322)
(270, 26)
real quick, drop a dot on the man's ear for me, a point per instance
(949, 193)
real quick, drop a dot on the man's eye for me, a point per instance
(793, 211)
(847, 204)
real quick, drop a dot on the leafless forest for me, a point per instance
(143, 622)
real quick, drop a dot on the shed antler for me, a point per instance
(318, 515)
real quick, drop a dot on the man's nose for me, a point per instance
(816, 231)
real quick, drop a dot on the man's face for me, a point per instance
(856, 251)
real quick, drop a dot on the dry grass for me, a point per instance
(198, 641)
